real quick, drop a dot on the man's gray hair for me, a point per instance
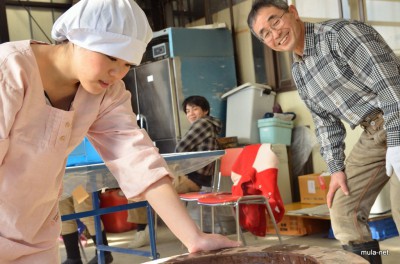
(258, 4)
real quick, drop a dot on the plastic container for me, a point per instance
(115, 222)
(380, 229)
(275, 131)
(383, 229)
(382, 202)
(83, 154)
(245, 105)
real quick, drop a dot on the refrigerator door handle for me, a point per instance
(142, 122)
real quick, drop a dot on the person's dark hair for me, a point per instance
(258, 4)
(196, 100)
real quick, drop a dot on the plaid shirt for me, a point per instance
(202, 136)
(347, 72)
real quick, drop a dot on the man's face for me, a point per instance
(278, 29)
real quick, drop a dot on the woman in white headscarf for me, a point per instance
(51, 96)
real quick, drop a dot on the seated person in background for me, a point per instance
(201, 136)
(69, 230)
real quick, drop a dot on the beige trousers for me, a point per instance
(70, 206)
(182, 184)
(366, 176)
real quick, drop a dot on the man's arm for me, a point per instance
(198, 133)
(378, 68)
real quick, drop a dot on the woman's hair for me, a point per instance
(196, 100)
(258, 4)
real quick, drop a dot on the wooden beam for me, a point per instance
(4, 36)
(207, 12)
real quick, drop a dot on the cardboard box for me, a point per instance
(298, 226)
(314, 188)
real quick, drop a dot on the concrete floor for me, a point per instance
(169, 245)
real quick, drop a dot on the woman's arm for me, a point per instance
(163, 198)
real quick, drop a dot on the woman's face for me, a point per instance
(194, 112)
(287, 36)
(97, 71)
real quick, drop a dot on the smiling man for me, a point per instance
(344, 71)
(201, 136)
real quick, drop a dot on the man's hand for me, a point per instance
(338, 180)
(393, 161)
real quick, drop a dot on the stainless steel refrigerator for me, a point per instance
(154, 101)
(173, 70)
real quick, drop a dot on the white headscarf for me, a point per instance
(118, 28)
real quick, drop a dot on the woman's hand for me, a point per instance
(206, 242)
(165, 201)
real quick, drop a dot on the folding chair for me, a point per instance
(223, 166)
(236, 201)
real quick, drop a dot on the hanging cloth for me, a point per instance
(255, 172)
